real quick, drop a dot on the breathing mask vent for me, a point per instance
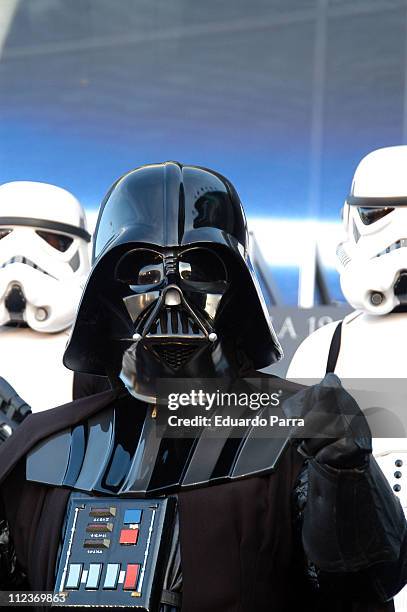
(174, 322)
(15, 301)
(175, 355)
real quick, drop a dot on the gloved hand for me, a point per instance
(13, 409)
(335, 432)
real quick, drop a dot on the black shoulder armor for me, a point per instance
(122, 451)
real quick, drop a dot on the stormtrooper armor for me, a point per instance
(44, 262)
(372, 262)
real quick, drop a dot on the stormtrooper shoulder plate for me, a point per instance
(120, 451)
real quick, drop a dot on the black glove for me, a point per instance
(351, 520)
(13, 409)
(335, 431)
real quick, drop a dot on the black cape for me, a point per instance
(239, 546)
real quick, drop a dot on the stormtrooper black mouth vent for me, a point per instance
(175, 355)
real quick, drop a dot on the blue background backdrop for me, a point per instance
(282, 96)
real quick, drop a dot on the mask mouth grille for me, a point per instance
(175, 355)
(174, 322)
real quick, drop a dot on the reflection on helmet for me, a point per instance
(44, 257)
(373, 258)
(172, 291)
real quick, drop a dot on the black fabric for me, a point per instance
(344, 588)
(239, 545)
(244, 534)
(35, 514)
(12, 575)
(241, 551)
(171, 598)
(353, 520)
(334, 349)
(88, 384)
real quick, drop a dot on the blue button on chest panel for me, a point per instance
(132, 516)
(95, 568)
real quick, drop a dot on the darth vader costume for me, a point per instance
(100, 504)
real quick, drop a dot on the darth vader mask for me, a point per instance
(174, 302)
(172, 292)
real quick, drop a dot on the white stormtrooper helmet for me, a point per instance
(44, 258)
(373, 258)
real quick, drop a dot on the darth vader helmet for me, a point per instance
(172, 292)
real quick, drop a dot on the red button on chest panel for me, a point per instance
(130, 580)
(128, 536)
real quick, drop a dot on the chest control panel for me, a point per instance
(115, 551)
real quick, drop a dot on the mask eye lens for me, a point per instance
(201, 266)
(60, 242)
(150, 275)
(4, 232)
(185, 270)
(140, 268)
(370, 215)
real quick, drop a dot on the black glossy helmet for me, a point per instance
(171, 276)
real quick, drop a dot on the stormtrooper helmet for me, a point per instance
(373, 257)
(44, 259)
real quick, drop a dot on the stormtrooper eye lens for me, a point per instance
(57, 241)
(4, 232)
(140, 268)
(370, 215)
(201, 266)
